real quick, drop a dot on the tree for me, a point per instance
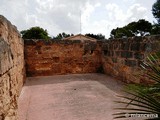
(121, 32)
(156, 10)
(35, 33)
(98, 36)
(143, 27)
(62, 35)
(140, 28)
(155, 29)
(156, 14)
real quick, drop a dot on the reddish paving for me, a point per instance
(69, 97)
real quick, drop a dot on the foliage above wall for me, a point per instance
(35, 33)
(62, 35)
(156, 10)
(96, 36)
(156, 14)
(139, 28)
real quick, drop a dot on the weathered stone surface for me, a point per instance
(61, 57)
(131, 63)
(135, 46)
(125, 46)
(5, 57)
(139, 56)
(119, 57)
(123, 60)
(148, 47)
(11, 69)
(126, 54)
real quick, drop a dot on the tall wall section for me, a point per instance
(61, 57)
(11, 69)
(121, 58)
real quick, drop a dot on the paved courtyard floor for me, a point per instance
(69, 97)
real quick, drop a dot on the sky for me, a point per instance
(76, 16)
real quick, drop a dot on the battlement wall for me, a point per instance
(121, 58)
(61, 57)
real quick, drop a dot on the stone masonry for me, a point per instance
(11, 69)
(120, 58)
(61, 57)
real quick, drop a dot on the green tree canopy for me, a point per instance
(143, 27)
(35, 33)
(140, 28)
(155, 29)
(98, 36)
(156, 10)
(121, 32)
(62, 35)
(156, 14)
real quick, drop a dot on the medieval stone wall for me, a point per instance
(121, 58)
(61, 57)
(11, 69)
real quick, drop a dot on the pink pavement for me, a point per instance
(69, 97)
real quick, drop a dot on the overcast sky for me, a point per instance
(94, 16)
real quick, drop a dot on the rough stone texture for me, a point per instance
(61, 57)
(11, 69)
(121, 57)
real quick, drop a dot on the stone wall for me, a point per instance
(61, 57)
(121, 57)
(11, 69)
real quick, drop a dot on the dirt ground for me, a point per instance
(69, 97)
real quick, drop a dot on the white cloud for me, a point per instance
(132, 1)
(31, 20)
(118, 17)
(86, 12)
(115, 17)
(97, 4)
(97, 16)
(115, 12)
(136, 11)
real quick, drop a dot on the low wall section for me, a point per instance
(120, 58)
(61, 57)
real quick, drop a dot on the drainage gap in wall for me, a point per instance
(100, 69)
(91, 52)
(105, 52)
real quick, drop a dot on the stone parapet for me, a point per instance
(121, 58)
(54, 57)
